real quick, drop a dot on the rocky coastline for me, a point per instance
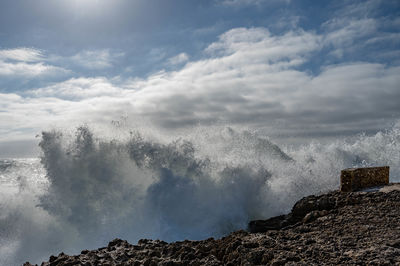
(335, 228)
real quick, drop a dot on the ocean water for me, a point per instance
(87, 189)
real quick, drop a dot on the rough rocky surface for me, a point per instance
(354, 179)
(335, 228)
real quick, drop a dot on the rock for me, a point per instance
(305, 206)
(313, 216)
(334, 229)
(52, 258)
(354, 179)
(273, 223)
(394, 244)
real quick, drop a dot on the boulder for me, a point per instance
(353, 179)
(274, 223)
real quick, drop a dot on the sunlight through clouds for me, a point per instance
(144, 111)
(284, 81)
(250, 76)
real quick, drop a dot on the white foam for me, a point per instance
(92, 189)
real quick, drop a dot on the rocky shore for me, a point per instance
(334, 228)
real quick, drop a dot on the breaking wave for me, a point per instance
(86, 190)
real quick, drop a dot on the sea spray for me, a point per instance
(87, 189)
(95, 185)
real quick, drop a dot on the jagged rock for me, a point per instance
(335, 229)
(273, 223)
(302, 208)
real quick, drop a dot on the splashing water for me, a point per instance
(86, 190)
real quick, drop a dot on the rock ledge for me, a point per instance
(334, 228)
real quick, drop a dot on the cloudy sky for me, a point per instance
(305, 68)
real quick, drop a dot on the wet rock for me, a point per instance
(335, 228)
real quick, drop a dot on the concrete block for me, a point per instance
(353, 179)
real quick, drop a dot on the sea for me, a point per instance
(84, 190)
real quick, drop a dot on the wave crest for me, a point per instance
(91, 189)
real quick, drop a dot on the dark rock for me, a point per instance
(394, 244)
(52, 258)
(335, 229)
(255, 257)
(116, 242)
(274, 223)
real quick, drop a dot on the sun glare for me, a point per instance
(87, 3)
(89, 7)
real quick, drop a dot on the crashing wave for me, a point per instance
(89, 189)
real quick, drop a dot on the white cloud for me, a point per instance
(26, 62)
(358, 9)
(359, 27)
(88, 59)
(252, 77)
(248, 77)
(343, 32)
(178, 59)
(258, 45)
(29, 70)
(95, 59)
(24, 117)
(78, 89)
(21, 54)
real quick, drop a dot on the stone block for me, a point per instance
(353, 179)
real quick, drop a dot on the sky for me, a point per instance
(295, 69)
